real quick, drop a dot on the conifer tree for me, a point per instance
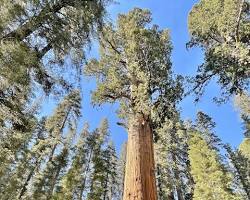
(16, 160)
(241, 157)
(243, 103)
(221, 29)
(38, 151)
(103, 180)
(111, 182)
(241, 171)
(244, 147)
(212, 180)
(135, 69)
(45, 187)
(35, 39)
(65, 116)
(98, 176)
(121, 171)
(172, 163)
(72, 184)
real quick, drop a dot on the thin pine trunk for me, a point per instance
(86, 170)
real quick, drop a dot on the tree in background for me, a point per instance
(73, 182)
(121, 170)
(53, 167)
(211, 177)
(48, 138)
(211, 180)
(103, 176)
(172, 162)
(135, 69)
(241, 170)
(36, 37)
(240, 158)
(222, 30)
(243, 103)
(53, 148)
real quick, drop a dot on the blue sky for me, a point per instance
(171, 14)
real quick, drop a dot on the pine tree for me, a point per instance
(72, 184)
(103, 180)
(244, 147)
(39, 148)
(241, 171)
(36, 38)
(211, 180)
(65, 116)
(110, 168)
(62, 26)
(172, 163)
(221, 29)
(240, 158)
(121, 171)
(135, 69)
(14, 172)
(243, 103)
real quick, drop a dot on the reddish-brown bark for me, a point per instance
(139, 176)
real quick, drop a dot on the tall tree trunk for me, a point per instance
(179, 191)
(86, 170)
(139, 174)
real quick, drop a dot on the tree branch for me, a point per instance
(238, 21)
(35, 22)
(43, 51)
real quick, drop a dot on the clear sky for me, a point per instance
(171, 14)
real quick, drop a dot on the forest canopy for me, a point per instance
(116, 122)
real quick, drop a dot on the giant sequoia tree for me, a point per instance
(222, 29)
(135, 69)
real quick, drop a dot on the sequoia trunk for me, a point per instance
(139, 174)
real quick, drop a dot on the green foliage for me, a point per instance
(47, 159)
(212, 182)
(172, 164)
(134, 66)
(245, 148)
(242, 102)
(25, 162)
(121, 165)
(222, 29)
(241, 170)
(103, 179)
(72, 183)
(29, 29)
(51, 166)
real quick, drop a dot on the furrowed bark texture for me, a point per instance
(139, 176)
